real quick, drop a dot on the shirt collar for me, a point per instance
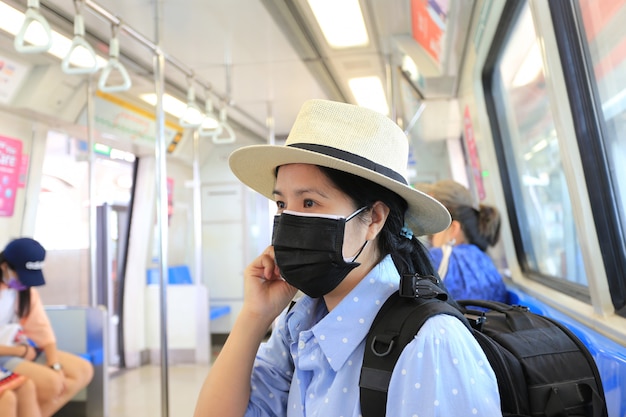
(343, 329)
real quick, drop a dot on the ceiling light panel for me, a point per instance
(341, 22)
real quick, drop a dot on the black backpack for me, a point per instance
(542, 368)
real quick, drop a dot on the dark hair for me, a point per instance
(481, 227)
(409, 255)
(23, 300)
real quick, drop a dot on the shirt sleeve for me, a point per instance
(37, 325)
(272, 374)
(443, 372)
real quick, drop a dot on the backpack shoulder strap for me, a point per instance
(395, 325)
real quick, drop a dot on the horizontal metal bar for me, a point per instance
(116, 20)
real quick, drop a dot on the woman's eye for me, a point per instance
(280, 205)
(308, 203)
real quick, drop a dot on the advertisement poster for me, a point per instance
(428, 25)
(10, 164)
(125, 121)
(12, 73)
(468, 131)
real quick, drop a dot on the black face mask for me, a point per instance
(308, 251)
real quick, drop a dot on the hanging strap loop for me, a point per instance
(33, 17)
(81, 58)
(114, 64)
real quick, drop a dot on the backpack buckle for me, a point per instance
(421, 286)
(476, 320)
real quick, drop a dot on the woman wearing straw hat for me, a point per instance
(345, 231)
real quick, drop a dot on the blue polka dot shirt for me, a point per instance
(310, 365)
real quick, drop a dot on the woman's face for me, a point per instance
(305, 188)
(7, 273)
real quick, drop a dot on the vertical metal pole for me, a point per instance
(391, 86)
(161, 201)
(203, 345)
(93, 280)
(197, 208)
(269, 122)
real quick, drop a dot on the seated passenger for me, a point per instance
(18, 397)
(57, 375)
(341, 203)
(459, 252)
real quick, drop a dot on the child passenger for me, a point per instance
(342, 202)
(57, 375)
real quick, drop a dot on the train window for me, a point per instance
(605, 35)
(548, 245)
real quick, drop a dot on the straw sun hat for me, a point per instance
(347, 138)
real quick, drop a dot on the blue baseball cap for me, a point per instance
(25, 256)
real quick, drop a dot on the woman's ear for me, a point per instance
(455, 231)
(380, 211)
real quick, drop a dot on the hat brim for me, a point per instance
(256, 165)
(31, 278)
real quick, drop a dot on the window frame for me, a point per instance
(510, 14)
(590, 130)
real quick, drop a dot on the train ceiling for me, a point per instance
(262, 59)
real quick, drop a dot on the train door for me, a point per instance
(63, 225)
(111, 245)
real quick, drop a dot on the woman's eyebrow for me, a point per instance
(302, 191)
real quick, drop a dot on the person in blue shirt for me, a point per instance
(345, 231)
(460, 252)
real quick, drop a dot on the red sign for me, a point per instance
(10, 163)
(170, 197)
(468, 130)
(428, 21)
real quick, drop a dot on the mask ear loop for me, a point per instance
(359, 252)
(350, 217)
(356, 213)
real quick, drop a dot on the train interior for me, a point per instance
(119, 192)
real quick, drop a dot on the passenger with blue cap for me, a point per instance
(27, 341)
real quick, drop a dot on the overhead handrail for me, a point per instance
(192, 117)
(114, 64)
(80, 50)
(210, 126)
(224, 123)
(33, 16)
(223, 113)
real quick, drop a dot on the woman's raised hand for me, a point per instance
(266, 293)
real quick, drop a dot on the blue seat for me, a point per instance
(218, 311)
(178, 274)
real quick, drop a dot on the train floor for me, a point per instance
(137, 392)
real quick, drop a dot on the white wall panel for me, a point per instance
(223, 261)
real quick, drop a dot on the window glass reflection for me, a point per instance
(533, 158)
(605, 33)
